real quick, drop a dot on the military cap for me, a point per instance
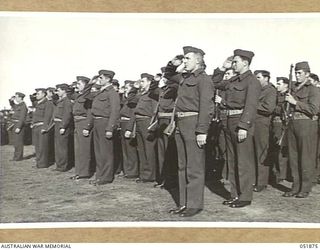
(128, 82)
(263, 72)
(50, 89)
(163, 69)
(83, 78)
(41, 89)
(107, 73)
(20, 94)
(115, 82)
(314, 77)
(146, 75)
(62, 86)
(188, 49)
(284, 79)
(302, 65)
(244, 53)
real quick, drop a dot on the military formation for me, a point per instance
(180, 125)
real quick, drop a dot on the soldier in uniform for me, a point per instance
(266, 106)
(302, 130)
(52, 98)
(41, 120)
(129, 145)
(146, 142)
(241, 100)
(105, 115)
(193, 107)
(83, 143)
(19, 116)
(63, 128)
(279, 146)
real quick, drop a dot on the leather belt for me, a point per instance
(37, 124)
(99, 117)
(277, 119)
(57, 119)
(301, 116)
(123, 118)
(231, 112)
(163, 114)
(142, 116)
(186, 114)
(79, 117)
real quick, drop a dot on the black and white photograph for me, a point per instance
(160, 118)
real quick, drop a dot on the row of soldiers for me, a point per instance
(175, 120)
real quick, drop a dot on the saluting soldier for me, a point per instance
(266, 106)
(19, 116)
(41, 120)
(302, 130)
(146, 142)
(83, 143)
(129, 145)
(279, 146)
(63, 120)
(241, 100)
(193, 107)
(105, 115)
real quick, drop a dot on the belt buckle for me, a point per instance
(181, 114)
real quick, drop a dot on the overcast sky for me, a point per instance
(42, 50)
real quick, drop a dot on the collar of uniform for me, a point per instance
(108, 87)
(297, 86)
(269, 85)
(242, 76)
(197, 72)
(42, 101)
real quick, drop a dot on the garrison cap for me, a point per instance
(284, 79)
(244, 53)
(263, 72)
(302, 65)
(83, 78)
(41, 89)
(146, 75)
(20, 94)
(109, 73)
(188, 49)
(314, 77)
(50, 89)
(62, 86)
(128, 82)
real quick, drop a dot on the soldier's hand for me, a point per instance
(62, 131)
(17, 130)
(227, 64)
(289, 98)
(181, 67)
(43, 131)
(85, 133)
(218, 99)
(242, 135)
(109, 134)
(127, 134)
(201, 140)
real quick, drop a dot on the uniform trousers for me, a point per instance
(62, 143)
(83, 150)
(18, 143)
(242, 163)
(261, 146)
(302, 146)
(41, 145)
(146, 150)
(191, 164)
(129, 153)
(103, 149)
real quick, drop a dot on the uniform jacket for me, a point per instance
(43, 113)
(19, 114)
(63, 111)
(267, 101)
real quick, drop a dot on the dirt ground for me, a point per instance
(43, 195)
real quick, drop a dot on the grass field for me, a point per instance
(43, 195)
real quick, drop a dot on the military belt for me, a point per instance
(15, 120)
(186, 114)
(142, 116)
(79, 117)
(162, 114)
(277, 119)
(99, 117)
(124, 118)
(37, 124)
(231, 112)
(57, 119)
(301, 116)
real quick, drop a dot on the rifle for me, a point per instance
(287, 115)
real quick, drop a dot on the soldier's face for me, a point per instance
(190, 61)
(313, 82)
(301, 76)
(49, 93)
(80, 86)
(145, 83)
(17, 98)
(103, 80)
(228, 74)
(40, 95)
(281, 86)
(60, 92)
(263, 80)
(238, 64)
